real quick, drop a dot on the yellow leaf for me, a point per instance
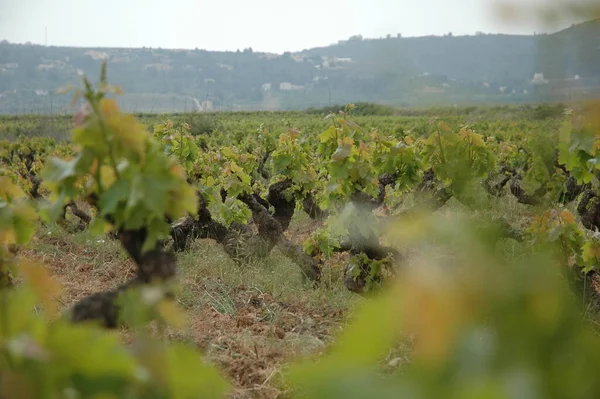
(567, 217)
(43, 285)
(94, 167)
(189, 199)
(8, 189)
(293, 133)
(444, 126)
(408, 140)
(178, 171)
(235, 168)
(109, 108)
(8, 236)
(439, 306)
(131, 133)
(347, 141)
(589, 253)
(107, 176)
(477, 139)
(171, 313)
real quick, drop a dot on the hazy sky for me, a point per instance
(264, 25)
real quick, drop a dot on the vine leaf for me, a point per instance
(42, 284)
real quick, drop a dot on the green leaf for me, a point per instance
(328, 135)
(58, 170)
(136, 218)
(555, 233)
(155, 230)
(24, 228)
(282, 161)
(210, 181)
(51, 211)
(91, 137)
(85, 160)
(156, 192)
(137, 192)
(110, 199)
(342, 153)
(106, 357)
(188, 375)
(98, 226)
(228, 152)
(583, 139)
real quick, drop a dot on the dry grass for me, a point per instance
(248, 320)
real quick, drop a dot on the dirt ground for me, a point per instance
(249, 321)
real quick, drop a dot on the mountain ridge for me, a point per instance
(399, 71)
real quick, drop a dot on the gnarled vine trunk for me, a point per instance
(271, 231)
(152, 266)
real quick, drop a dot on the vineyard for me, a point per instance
(348, 253)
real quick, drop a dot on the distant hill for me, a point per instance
(431, 70)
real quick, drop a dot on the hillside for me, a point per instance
(482, 68)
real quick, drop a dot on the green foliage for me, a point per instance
(457, 158)
(292, 159)
(203, 125)
(17, 225)
(17, 217)
(483, 327)
(178, 143)
(397, 158)
(126, 173)
(547, 111)
(349, 164)
(578, 153)
(234, 210)
(363, 109)
(45, 356)
(559, 229)
(320, 244)
(237, 169)
(579, 149)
